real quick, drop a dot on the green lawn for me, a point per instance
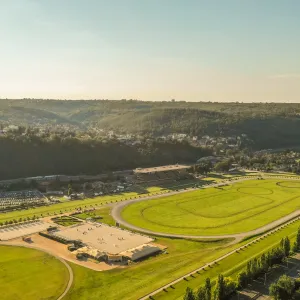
(65, 221)
(103, 212)
(141, 278)
(71, 205)
(183, 256)
(231, 265)
(30, 274)
(236, 208)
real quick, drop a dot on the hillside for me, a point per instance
(267, 124)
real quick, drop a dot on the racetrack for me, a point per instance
(237, 210)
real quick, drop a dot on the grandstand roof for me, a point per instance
(161, 169)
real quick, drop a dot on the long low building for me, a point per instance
(176, 167)
(141, 252)
(108, 243)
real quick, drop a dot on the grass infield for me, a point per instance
(236, 208)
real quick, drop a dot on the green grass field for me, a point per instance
(71, 205)
(65, 221)
(30, 274)
(103, 212)
(230, 266)
(183, 256)
(236, 208)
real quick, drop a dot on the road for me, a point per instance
(117, 209)
(71, 275)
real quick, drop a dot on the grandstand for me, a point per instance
(18, 199)
(161, 174)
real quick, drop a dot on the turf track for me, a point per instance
(248, 207)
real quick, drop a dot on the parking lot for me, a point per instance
(19, 198)
(15, 231)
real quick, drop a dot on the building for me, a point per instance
(107, 243)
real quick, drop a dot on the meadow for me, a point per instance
(230, 266)
(231, 209)
(103, 212)
(68, 206)
(183, 256)
(28, 274)
(71, 205)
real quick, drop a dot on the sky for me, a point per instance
(192, 50)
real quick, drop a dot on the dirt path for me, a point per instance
(117, 209)
(71, 275)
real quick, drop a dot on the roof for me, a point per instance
(90, 251)
(141, 251)
(161, 168)
(108, 239)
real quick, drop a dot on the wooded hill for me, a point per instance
(267, 124)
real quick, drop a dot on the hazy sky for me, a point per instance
(193, 50)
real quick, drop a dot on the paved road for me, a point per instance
(71, 275)
(117, 209)
(146, 297)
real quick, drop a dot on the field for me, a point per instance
(183, 256)
(230, 266)
(241, 207)
(141, 278)
(65, 221)
(71, 205)
(28, 274)
(68, 206)
(103, 212)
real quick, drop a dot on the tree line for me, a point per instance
(26, 156)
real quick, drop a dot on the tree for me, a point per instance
(264, 263)
(296, 245)
(201, 293)
(230, 287)
(69, 190)
(242, 279)
(283, 289)
(189, 294)
(287, 246)
(223, 166)
(220, 288)
(207, 289)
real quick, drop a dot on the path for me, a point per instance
(71, 275)
(146, 297)
(117, 209)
